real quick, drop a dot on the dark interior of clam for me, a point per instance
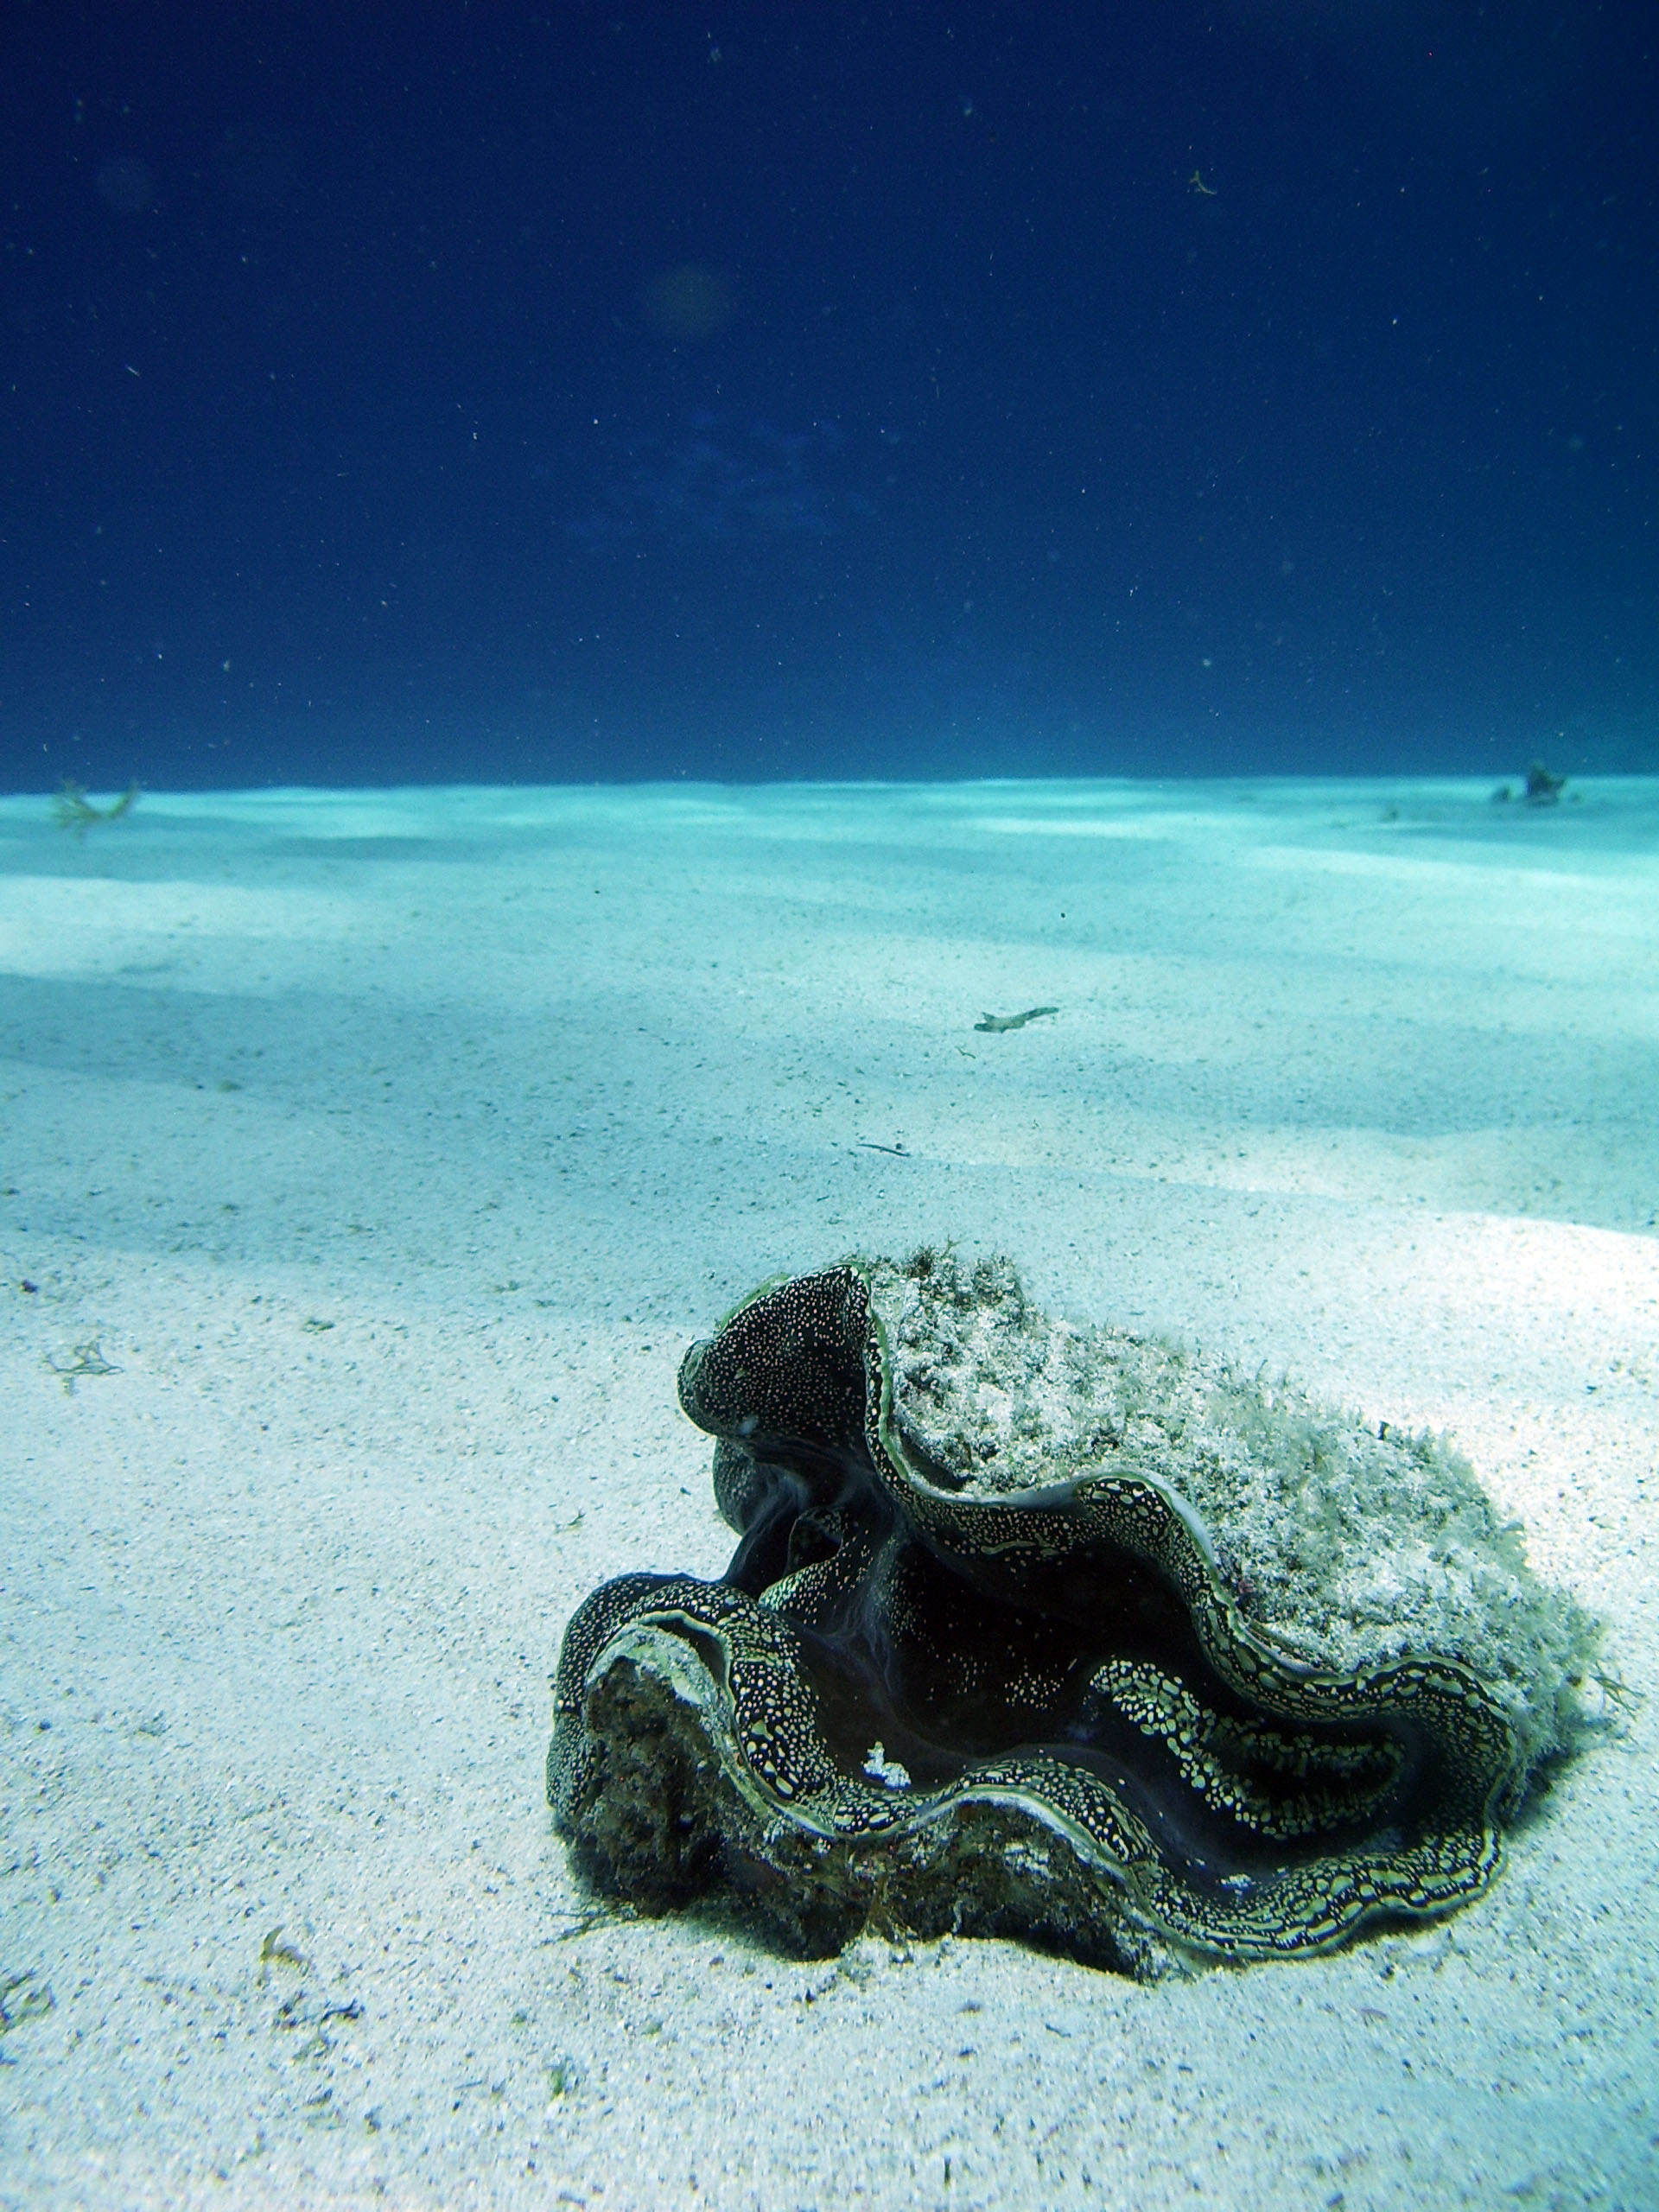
(934, 1662)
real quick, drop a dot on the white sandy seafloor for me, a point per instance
(367, 1160)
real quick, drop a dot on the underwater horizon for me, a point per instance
(828, 1191)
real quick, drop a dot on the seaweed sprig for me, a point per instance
(73, 809)
(88, 1359)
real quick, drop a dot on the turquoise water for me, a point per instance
(367, 1162)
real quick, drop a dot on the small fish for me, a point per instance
(994, 1024)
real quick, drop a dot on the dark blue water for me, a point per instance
(400, 393)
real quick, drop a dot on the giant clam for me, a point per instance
(1058, 1633)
